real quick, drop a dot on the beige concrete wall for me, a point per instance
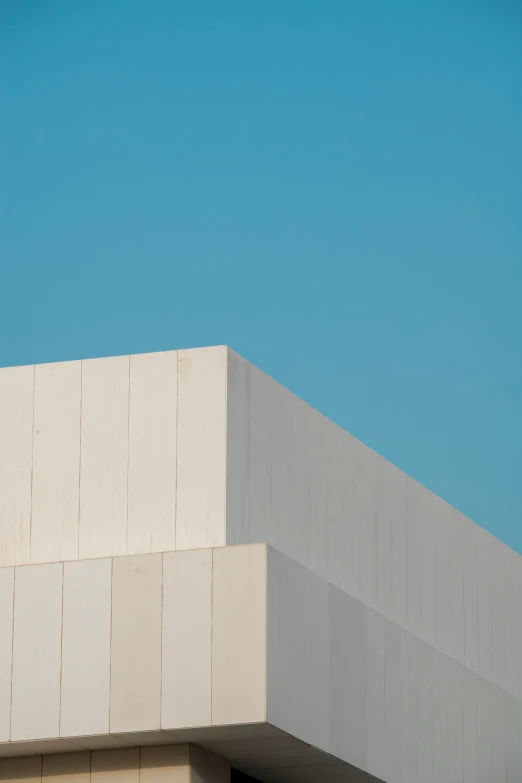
(308, 488)
(107, 457)
(132, 644)
(163, 764)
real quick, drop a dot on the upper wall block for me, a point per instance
(116, 456)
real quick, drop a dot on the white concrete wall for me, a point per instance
(354, 684)
(107, 457)
(271, 641)
(125, 459)
(312, 491)
(132, 644)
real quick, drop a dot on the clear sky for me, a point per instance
(334, 189)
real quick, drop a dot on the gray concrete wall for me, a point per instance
(346, 679)
(312, 491)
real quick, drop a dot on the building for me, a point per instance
(200, 572)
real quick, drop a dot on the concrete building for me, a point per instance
(200, 573)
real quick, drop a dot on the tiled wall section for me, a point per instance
(116, 456)
(250, 635)
(312, 491)
(133, 643)
(349, 681)
(164, 764)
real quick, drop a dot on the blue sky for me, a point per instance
(334, 189)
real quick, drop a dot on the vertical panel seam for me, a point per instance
(79, 464)
(61, 657)
(12, 657)
(266, 633)
(128, 463)
(177, 457)
(224, 539)
(161, 640)
(110, 643)
(32, 472)
(211, 636)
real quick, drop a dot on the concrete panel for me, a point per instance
(442, 576)
(261, 393)
(512, 709)
(299, 650)
(104, 457)
(350, 581)
(151, 525)
(6, 649)
(347, 670)
(483, 702)
(455, 718)
(413, 558)
(498, 613)
(425, 688)
(397, 509)
(136, 643)
(383, 536)
(392, 700)
(279, 466)
(377, 761)
(471, 636)
(498, 735)
(186, 641)
(519, 624)
(16, 450)
(115, 766)
(27, 769)
(202, 439)
(320, 680)
(484, 607)
(289, 646)
(512, 599)
(469, 727)
(317, 483)
(68, 767)
(440, 721)
(366, 482)
(165, 764)
(297, 523)
(56, 462)
(426, 518)
(86, 646)
(239, 607)
(336, 471)
(409, 707)
(238, 501)
(457, 647)
(37, 652)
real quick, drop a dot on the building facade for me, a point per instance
(202, 578)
